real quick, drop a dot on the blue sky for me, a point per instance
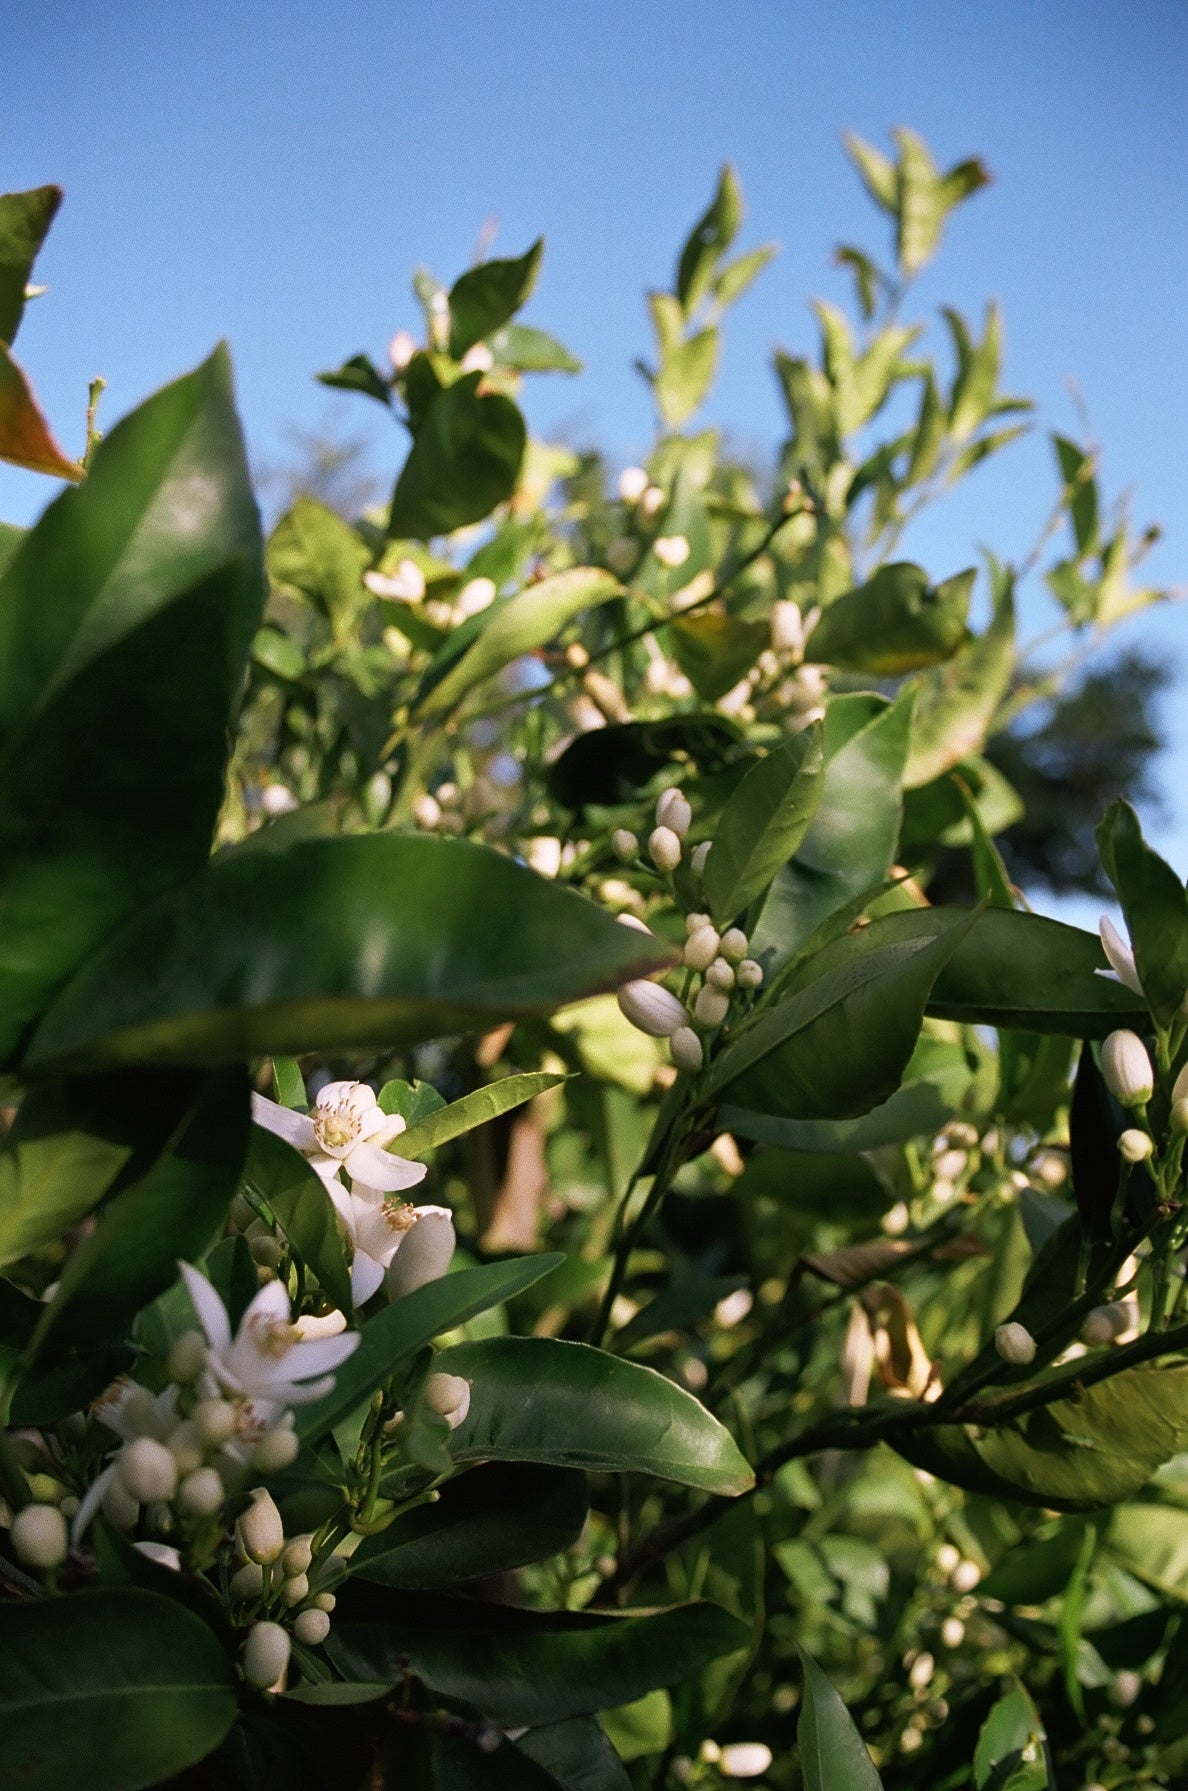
(273, 175)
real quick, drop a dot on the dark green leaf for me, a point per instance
(917, 1110)
(475, 1109)
(1093, 1135)
(1155, 906)
(487, 296)
(491, 1520)
(25, 219)
(609, 765)
(537, 1399)
(465, 460)
(709, 240)
(114, 1690)
(359, 374)
(48, 1181)
(714, 651)
(763, 824)
(577, 1754)
(896, 622)
(301, 1207)
(833, 1755)
(409, 1323)
(1011, 1754)
(379, 940)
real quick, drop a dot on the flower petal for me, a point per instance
(319, 1355)
(311, 1392)
(296, 1129)
(366, 1276)
(379, 1127)
(1120, 955)
(376, 1168)
(212, 1314)
(425, 1253)
(81, 1522)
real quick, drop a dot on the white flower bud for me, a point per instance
(295, 1590)
(621, 554)
(148, 1470)
(298, 1557)
(734, 944)
(744, 1759)
(720, 975)
(1015, 1344)
(260, 1532)
(695, 922)
(1135, 1146)
(426, 811)
(966, 1575)
(201, 1493)
(449, 1396)
(950, 1164)
(651, 500)
(952, 1632)
(312, 1628)
(119, 1507)
(405, 585)
(652, 1009)
(750, 973)
(248, 1581)
(265, 1654)
(401, 350)
(1127, 1068)
(277, 1449)
(665, 848)
(214, 1420)
(673, 810)
(478, 359)
(325, 1601)
(671, 550)
(187, 1358)
(633, 482)
(39, 1536)
(711, 1007)
(700, 854)
(701, 948)
(1106, 1323)
(686, 1048)
(476, 595)
(787, 627)
(624, 844)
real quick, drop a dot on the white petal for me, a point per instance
(272, 1301)
(336, 1092)
(1120, 955)
(212, 1314)
(311, 1392)
(319, 1355)
(327, 1167)
(380, 1127)
(81, 1522)
(377, 1169)
(425, 1253)
(341, 1200)
(296, 1129)
(366, 1276)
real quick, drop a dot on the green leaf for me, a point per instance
(359, 374)
(491, 1520)
(517, 626)
(714, 651)
(732, 281)
(114, 1690)
(376, 940)
(413, 1101)
(685, 375)
(709, 240)
(464, 461)
(146, 579)
(957, 702)
(609, 765)
(764, 822)
(25, 219)
(1155, 906)
(487, 296)
(977, 372)
(282, 1177)
(851, 842)
(409, 1323)
(876, 169)
(315, 554)
(833, 1755)
(680, 1306)
(1077, 470)
(896, 622)
(917, 1110)
(537, 1399)
(475, 1109)
(531, 351)
(578, 1755)
(532, 1667)
(1011, 1754)
(49, 1181)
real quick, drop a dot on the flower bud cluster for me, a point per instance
(278, 1581)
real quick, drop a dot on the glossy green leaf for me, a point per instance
(488, 295)
(577, 1754)
(464, 461)
(144, 579)
(714, 651)
(475, 1109)
(408, 1324)
(958, 701)
(491, 1520)
(1011, 1754)
(114, 1690)
(379, 940)
(299, 1203)
(1151, 1541)
(833, 1755)
(896, 622)
(851, 842)
(709, 240)
(314, 553)
(1154, 905)
(520, 625)
(25, 219)
(917, 1110)
(537, 1399)
(764, 821)
(527, 1666)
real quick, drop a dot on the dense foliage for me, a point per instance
(540, 1246)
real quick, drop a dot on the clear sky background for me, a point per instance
(272, 175)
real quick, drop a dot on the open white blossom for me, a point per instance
(348, 1129)
(1121, 957)
(267, 1361)
(377, 1226)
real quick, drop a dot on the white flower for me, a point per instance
(377, 1227)
(1121, 958)
(449, 1396)
(405, 585)
(478, 359)
(474, 597)
(671, 550)
(425, 1253)
(266, 1362)
(633, 482)
(346, 1130)
(401, 350)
